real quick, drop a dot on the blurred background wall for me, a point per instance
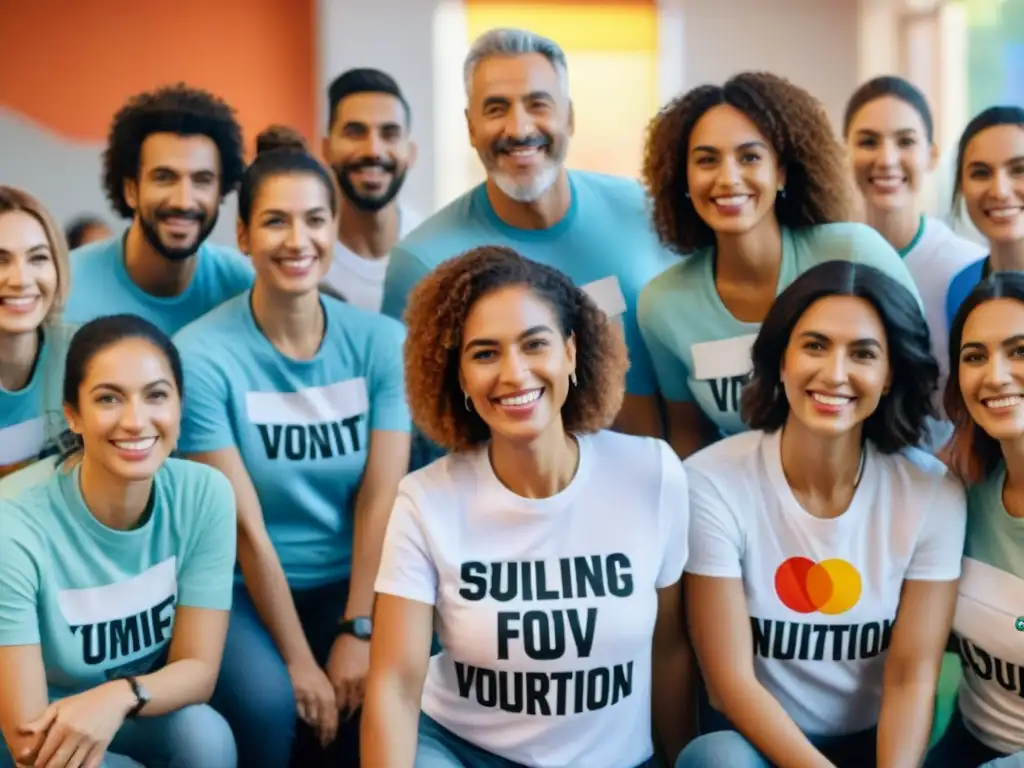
(77, 61)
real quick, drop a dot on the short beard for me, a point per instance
(530, 192)
(177, 254)
(368, 204)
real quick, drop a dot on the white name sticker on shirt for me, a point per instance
(607, 294)
(316, 405)
(722, 359)
(22, 441)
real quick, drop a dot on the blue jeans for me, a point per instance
(254, 691)
(437, 747)
(722, 745)
(958, 748)
(193, 737)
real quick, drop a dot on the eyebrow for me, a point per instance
(531, 96)
(41, 247)
(1010, 342)
(898, 131)
(525, 334)
(741, 147)
(120, 390)
(279, 212)
(865, 342)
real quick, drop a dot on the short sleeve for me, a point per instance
(206, 577)
(19, 581)
(675, 517)
(404, 270)
(205, 421)
(668, 369)
(389, 409)
(939, 550)
(716, 542)
(406, 568)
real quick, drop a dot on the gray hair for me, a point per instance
(514, 42)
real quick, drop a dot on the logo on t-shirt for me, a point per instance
(314, 423)
(726, 366)
(116, 623)
(831, 587)
(528, 625)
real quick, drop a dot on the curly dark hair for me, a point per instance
(437, 310)
(794, 122)
(172, 109)
(901, 417)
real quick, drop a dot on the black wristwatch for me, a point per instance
(360, 626)
(141, 696)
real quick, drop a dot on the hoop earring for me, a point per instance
(572, 378)
(468, 403)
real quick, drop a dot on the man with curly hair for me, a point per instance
(172, 156)
(594, 228)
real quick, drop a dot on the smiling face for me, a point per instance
(129, 410)
(991, 367)
(993, 182)
(890, 153)
(28, 273)
(520, 121)
(836, 365)
(290, 233)
(515, 365)
(733, 172)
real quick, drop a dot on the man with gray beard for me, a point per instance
(369, 148)
(592, 227)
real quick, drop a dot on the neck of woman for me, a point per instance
(753, 257)
(18, 358)
(823, 471)
(293, 323)
(117, 503)
(1007, 256)
(899, 226)
(537, 469)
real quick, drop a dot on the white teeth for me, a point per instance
(888, 184)
(19, 301)
(140, 444)
(301, 263)
(1003, 213)
(733, 200)
(524, 151)
(830, 399)
(1003, 402)
(529, 397)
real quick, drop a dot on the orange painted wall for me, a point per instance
(71, 64)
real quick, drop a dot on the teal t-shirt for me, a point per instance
(700, 351)
(100, 286)
(605, 244)
(32, 418)
(101, 602)
(990, 618)
(302, 427)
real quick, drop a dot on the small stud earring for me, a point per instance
(572, 378)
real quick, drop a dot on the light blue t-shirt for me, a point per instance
(989, 618)
(700, 351)
(32, 418)
(302, 427)
(101, 602)
(605, 244)
(100, 285)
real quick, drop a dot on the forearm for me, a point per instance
(390, 724)
(371, 523)
(904, 726)
(269, 590)
(177, 685)
(756, 714)
(673, 703)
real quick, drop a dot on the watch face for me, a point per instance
(362, 627)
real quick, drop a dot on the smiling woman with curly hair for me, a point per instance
(750, 184)
(518, 372)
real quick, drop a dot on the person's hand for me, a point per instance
(76, 731)
(347, 668)
(314, 697)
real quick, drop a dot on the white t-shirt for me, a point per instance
(358, 280)
(822, 593)
(545, 607)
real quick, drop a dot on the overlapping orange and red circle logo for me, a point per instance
(831, 587)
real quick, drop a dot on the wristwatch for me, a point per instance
(141, 696)
(360, 626)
